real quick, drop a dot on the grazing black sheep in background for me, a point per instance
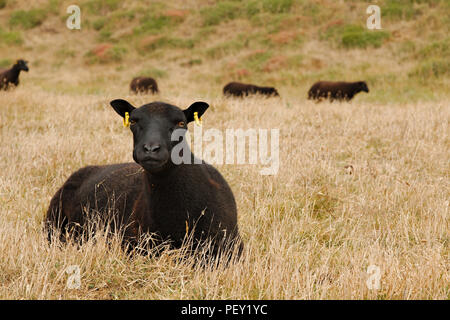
(153, 195)
(10, 77)
(241, 90)
(143, 85)
(336, 90)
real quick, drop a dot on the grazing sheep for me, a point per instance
(10, 77)
(336, 90)
(143, 85)
(241, 90)
(154, 195)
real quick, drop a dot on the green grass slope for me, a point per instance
(286, 43)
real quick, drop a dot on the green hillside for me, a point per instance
(286, 43)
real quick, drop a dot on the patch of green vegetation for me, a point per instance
(436, 49)
(407, 48)
(252, 8)
(226, 48)
(181, 43)
(117, 53)
(99, 23)
(111, 55)
(395, 9)
(257, 11)
(431, 68)
(276, 6)
(359, 37)
(101, 6)
(104, 35)
(255, 7)
(5, 63)
(3, 3)
(222, 11)
(355, 36)
(53, 6)
(10, 37)
(167, 42)
(274, 22)
(154, 24)
(105, 25)
(122, 15)
(256, 61)
(311, 9)
(27, 18)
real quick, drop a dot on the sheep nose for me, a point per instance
(151, 148)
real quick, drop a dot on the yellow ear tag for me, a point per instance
(197, 120)
(126, 120)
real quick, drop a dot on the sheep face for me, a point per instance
(273, 91)
(152, 126)
(363, 86)
(22, 65)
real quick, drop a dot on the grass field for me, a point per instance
(360, 184)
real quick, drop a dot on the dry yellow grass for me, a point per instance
(311, 231)
(359, 184)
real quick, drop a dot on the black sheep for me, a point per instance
(10, 76)
(144, 85)
(154, 195)
(241, 89)
(336, 90)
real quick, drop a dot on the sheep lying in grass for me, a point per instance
(154, 195)
(144, 85)
(10, 77)
(241, 89)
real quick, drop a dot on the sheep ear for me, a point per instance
(122, 106)
(199, 107)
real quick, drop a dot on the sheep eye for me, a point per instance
(181, 124)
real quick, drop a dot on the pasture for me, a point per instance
(360, 184)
